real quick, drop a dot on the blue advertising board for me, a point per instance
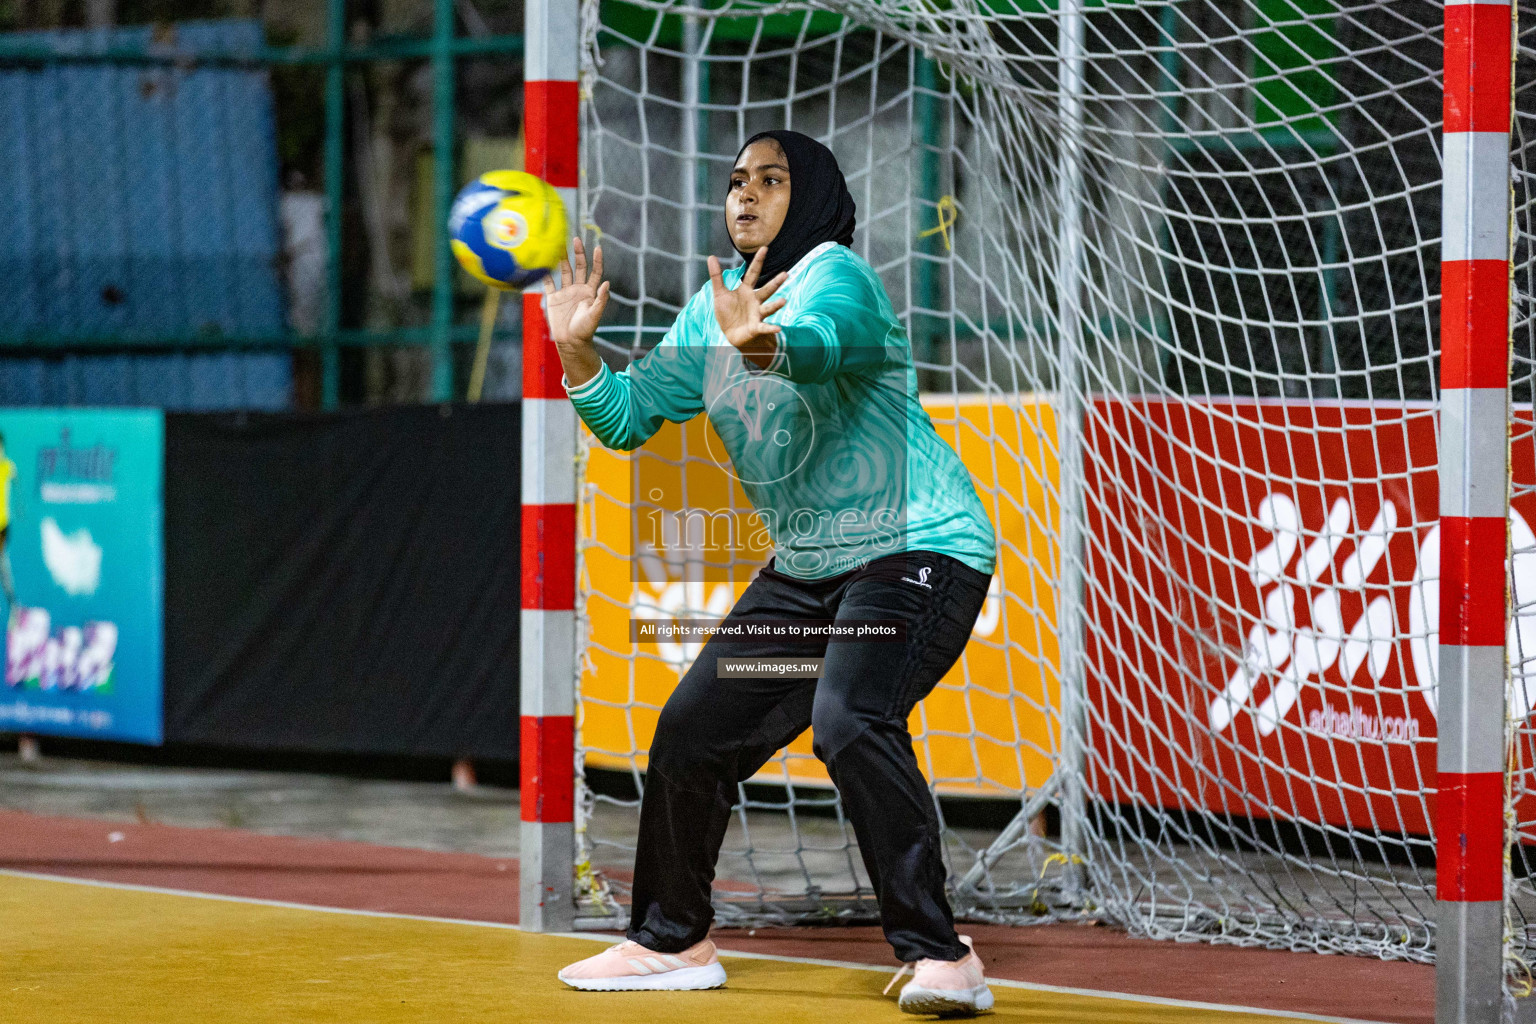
(82, 571)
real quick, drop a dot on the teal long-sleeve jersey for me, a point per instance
(829, 442)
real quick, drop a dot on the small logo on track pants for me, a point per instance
(922, 578)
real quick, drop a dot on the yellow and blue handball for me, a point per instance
(508, 228)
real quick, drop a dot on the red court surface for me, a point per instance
(360, 876)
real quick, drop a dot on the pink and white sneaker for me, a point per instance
(947, 987)
(630, 967)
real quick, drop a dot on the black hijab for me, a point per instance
(820, 208)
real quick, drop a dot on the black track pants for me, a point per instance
(716, 732)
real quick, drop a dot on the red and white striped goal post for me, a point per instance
(1474, 512)
(551, 128)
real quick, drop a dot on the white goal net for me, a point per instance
(1170, 272)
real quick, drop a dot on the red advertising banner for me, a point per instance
(1263, 607)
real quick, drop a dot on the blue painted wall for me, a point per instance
(140, 202)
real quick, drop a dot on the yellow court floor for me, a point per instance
(73, 953)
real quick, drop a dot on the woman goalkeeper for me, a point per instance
(807, 377)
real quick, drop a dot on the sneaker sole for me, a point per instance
(684, 979)
(946, 1002)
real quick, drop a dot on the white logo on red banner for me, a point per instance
(1300, 566)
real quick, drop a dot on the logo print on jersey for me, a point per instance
(922, 578)
(750, 406)
(766, 423)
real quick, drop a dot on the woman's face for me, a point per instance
(759, 196)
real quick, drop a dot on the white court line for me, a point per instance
(1031, 986)
(1092, 993)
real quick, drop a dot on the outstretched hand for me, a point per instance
(575, 301)
(741, 311)
(573, 305)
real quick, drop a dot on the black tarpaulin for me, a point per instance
(344, 582)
